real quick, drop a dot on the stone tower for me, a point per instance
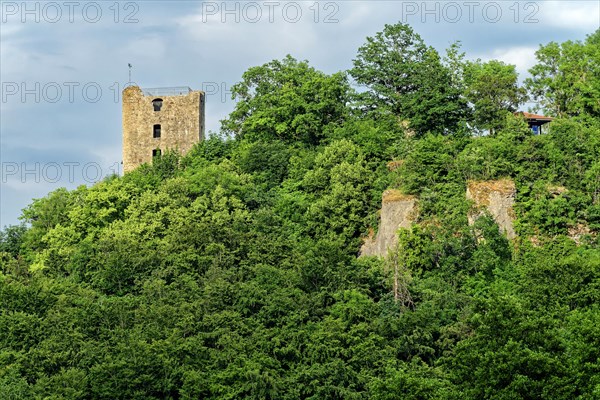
(155, 120)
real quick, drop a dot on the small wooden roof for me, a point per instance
(540, 119)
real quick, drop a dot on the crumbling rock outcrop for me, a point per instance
(497, 198)
(397, 211)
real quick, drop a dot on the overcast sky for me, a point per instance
(63, 64)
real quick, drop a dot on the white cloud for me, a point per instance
(358, 14)
(570, 15)
(523, 57)
(236, 35)
(147, 47)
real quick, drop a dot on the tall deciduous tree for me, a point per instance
(405, 77)
(287, 100)
(493, 90)
(566, 79)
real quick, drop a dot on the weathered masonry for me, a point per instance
(158, 119)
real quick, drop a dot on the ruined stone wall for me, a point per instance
(181, 118)
(497, 197)
(397, 211)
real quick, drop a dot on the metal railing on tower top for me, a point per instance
(167, 91)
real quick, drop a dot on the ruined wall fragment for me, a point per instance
(397, 211)
(497, 198)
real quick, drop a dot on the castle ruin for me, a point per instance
(155, 120)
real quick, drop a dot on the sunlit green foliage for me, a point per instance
(566, 79)
(232, 272)
(407, 79)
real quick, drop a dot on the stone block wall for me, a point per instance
(181, 118)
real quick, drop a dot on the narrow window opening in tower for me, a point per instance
(156, 131)
(157, 103)
(156, 153)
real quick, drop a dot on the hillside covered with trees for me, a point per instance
(233, 272)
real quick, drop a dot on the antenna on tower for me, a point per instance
(129, 73)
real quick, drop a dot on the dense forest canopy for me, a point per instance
(233, 272)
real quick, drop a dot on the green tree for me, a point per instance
(493, 91)
(287, 100)
(566, 79)
(406, 78)
(11, 238)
